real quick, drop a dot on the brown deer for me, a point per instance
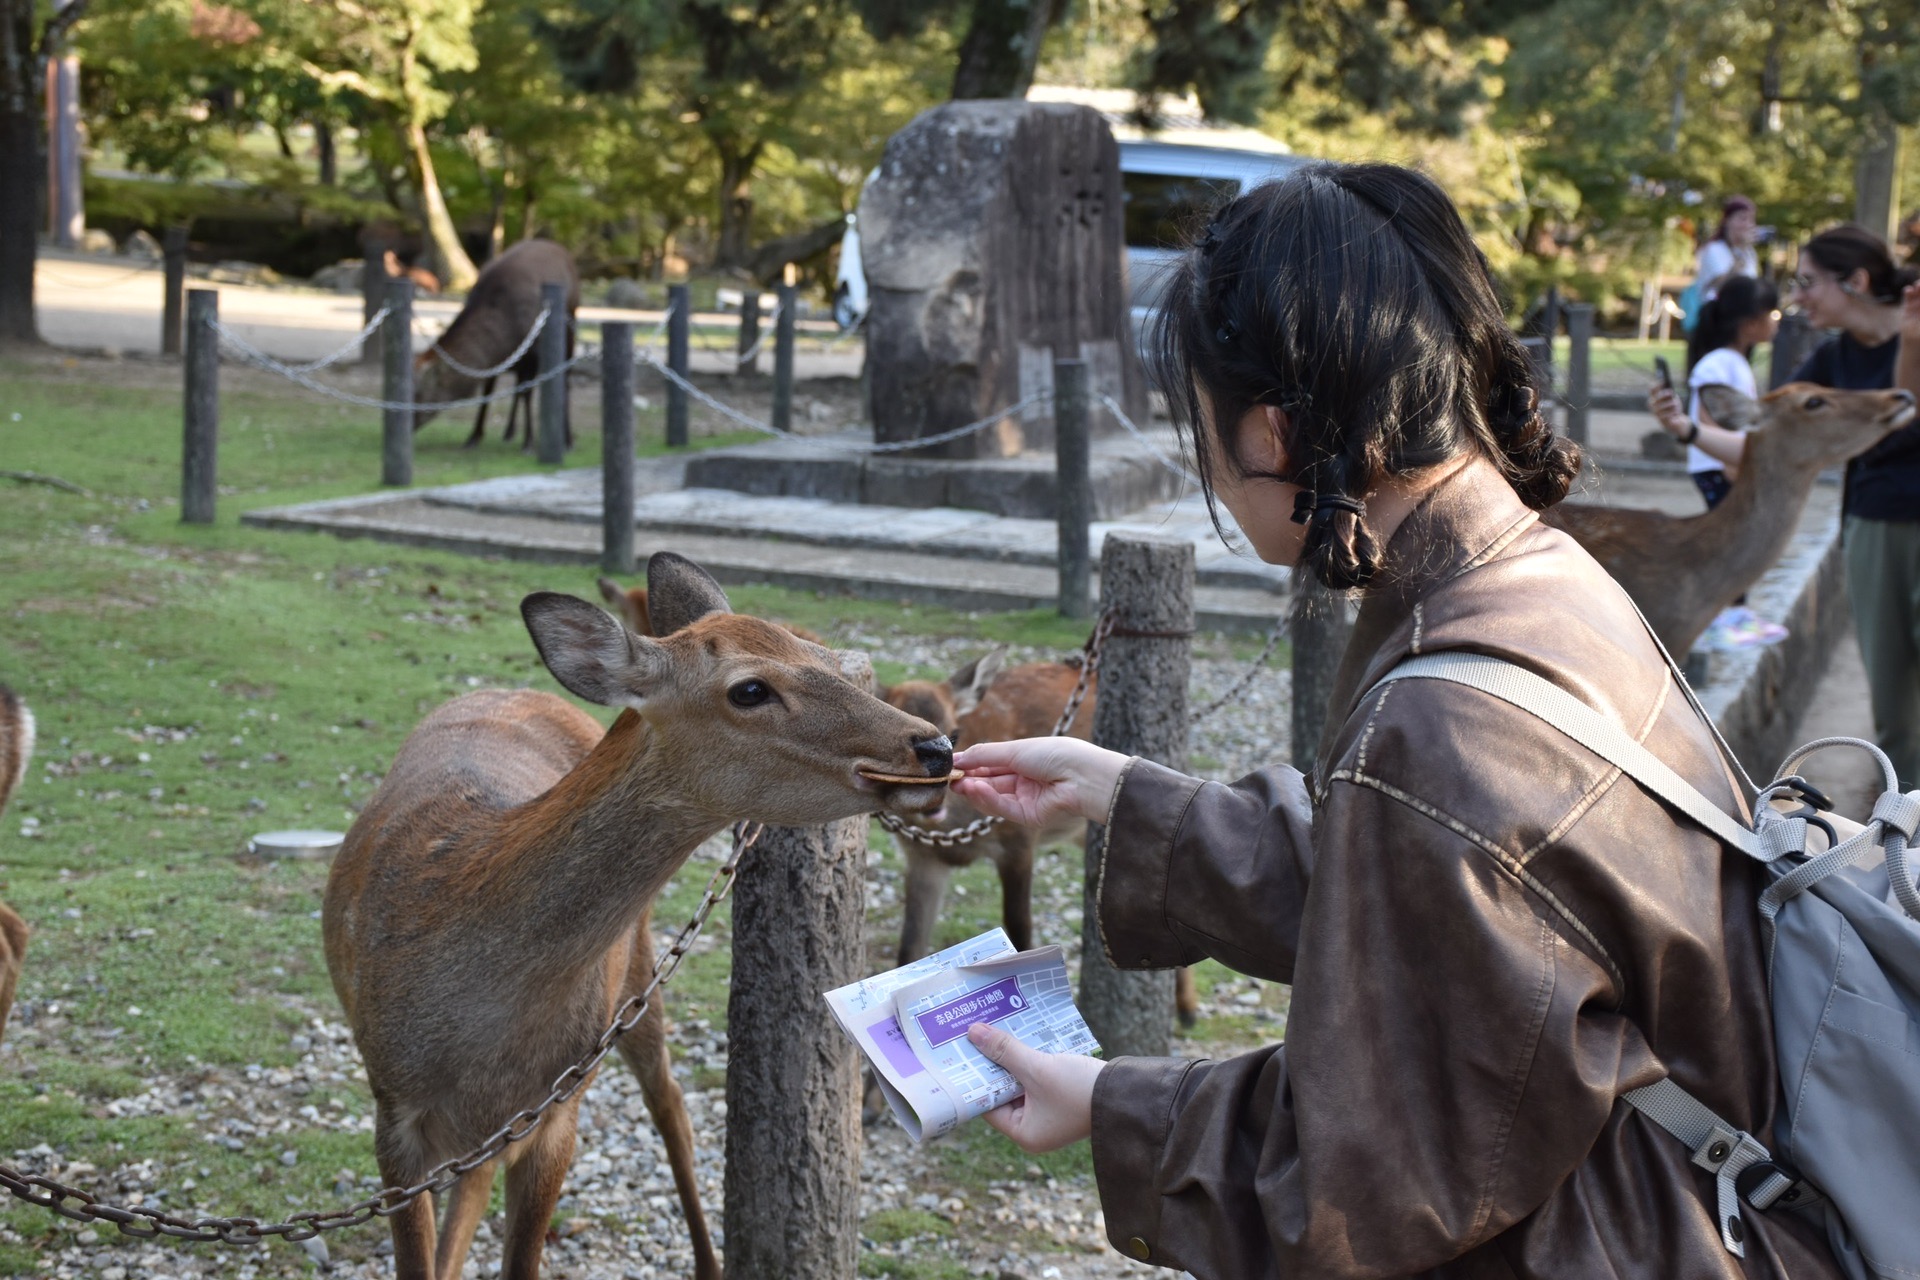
(629, 604)
(498, 314)
(423, 279)
(489, 909)
(986, 701)
(16, 748)
(1683, 570)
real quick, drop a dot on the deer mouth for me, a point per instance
(920, 794)
(1900, 417)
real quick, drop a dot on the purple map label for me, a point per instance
(892, 1040)
(950, 1021)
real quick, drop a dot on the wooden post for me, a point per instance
(1579, 370)
(202, 409)
(551, 444)
(1147, 582)
(373, 290)
(679, 331)
(749, 330)
(1320, 623)
(616, 446)
(1549, 330)
(1073, 485)
(174, 290)
(783, 359)
(1790, 346)
(396, 385)
(792, 1207)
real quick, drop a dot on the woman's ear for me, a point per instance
(1856, 283)
(1263, 440)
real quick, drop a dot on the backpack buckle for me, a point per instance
(1767, 1183)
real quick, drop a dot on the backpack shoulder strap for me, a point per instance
(1549, 702)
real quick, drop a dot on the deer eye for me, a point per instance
(750, 693)
(1816, 402)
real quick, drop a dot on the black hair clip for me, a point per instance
(1307, 505)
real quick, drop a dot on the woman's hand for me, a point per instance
(1910, 313)
(1057, 1109)
(1031, 780)
(1664, 404)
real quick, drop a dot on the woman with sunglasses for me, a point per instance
(1847, 281)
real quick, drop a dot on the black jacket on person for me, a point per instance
(1884, 482)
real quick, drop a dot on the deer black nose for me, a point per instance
(936, 754)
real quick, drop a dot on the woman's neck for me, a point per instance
(1872, 324)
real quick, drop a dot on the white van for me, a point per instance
(1171, 179)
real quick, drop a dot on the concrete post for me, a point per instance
(749, 330)
(373, 290)
(65, 208)
(1073, 485)
(198, 458)
(679, 333)
(1147, 582)
(783, 359)
(396, 385)
(792, 1208)
(1791, 344)
(616, 446)
(1579, 369)
(1321, 622)
(550, 446)
(173, 295)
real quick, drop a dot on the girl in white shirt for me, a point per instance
(1742, 316)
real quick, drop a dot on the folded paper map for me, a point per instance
(912, 1022)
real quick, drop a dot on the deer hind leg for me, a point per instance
(466, 1205)
(1186, 996)
(645, 1051)
(534, 1182)
(13, 948)
(1014, 858)
(927, 877)
(480, 419)
(412, 1227)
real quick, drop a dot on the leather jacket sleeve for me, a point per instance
(1451, 1057)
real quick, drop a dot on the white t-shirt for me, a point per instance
(1724, 367)
(1717, 258)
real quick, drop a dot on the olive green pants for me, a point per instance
(1883, 579)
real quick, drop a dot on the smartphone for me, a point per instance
(1666, 374)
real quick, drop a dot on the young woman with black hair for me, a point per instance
(1847, 281)
(1490, 935)
(1743, 315)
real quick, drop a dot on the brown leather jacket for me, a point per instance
(1491, 936)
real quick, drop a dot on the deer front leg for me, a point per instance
(926, 887)
(645, 1051)
(466, 1205)
(534, 1182)
(1186, 996)
(480, 419)
(412, 1227)
(1014, 859)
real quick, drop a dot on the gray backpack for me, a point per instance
(1841, 930)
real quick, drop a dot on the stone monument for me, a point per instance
(993, 244)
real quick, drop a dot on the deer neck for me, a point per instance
(579, 863)
(1751, 527)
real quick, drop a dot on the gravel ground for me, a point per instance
(620, 1218)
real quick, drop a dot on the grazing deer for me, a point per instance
(629, 604)
(986, 701)
(495, 320)
(16, 748)
(1683, 570)
(423, 279)
(489, 910)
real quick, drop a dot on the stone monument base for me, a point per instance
(1126, 476)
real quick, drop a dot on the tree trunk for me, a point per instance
(1002, 47)
(451, 263)
(328, 158)
(1877, 177)
(736, 202)
(22, 170)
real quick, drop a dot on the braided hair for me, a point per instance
(1353, 298)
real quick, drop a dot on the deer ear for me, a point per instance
(591, 654)
(969, 683)
(1731, 409)
(679, 592)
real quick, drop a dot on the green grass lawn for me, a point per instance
(195, 685)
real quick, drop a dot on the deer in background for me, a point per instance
(987, 701)
(16, 748)
(498, 314)
(1683, 570)
(489, 910)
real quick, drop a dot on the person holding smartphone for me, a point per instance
(1491, 936)
(1744, 314)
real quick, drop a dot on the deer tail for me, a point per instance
(16, 743)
